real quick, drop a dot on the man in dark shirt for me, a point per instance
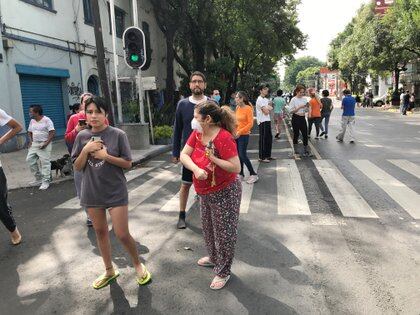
(347, 121)
(182, 130)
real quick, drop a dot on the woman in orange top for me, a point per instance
(314, 115)
(245, 120)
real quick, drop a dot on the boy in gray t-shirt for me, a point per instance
(103, 184)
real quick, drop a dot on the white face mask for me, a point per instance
(195, 125)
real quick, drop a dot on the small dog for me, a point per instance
(62, 165)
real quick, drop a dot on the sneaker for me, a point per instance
(181, 221)
(317, 137)
(265, 161)
(252, 179)
(277, 136)
(351, 141)
(35, 182)
(322, 133)
(44, 186)
(326, 136)
(89, 222)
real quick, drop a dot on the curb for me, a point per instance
(136, 162)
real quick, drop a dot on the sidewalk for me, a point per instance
(18, 173)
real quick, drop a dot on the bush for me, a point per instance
(163, 132)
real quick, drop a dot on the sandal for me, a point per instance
(218, 282)
(147, 276)
(205, 262)
(103, 280)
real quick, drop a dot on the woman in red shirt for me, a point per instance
(211, 154)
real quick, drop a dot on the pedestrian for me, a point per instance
(77, 123)
(412, 101)
(406, 102)
(6, 215)
(263, 109)
(216, 96)
(327, 107)
(41, 132)
(347, 120)
(212, 156)
(182, 130)
(314, 113)
(245, 120)
(279, 103)
(298, 107)
(402, 101)
(102, 153)
(357, 98)
(232, 102)
(74, 109)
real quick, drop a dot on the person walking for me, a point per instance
(406, 100)
(279, 103)
(41, 132)
(402, 94)
(6, 215)
(263, 109)
(77, 123)
(412, 101)
(245, 120)
(298, 107)
(211, 154)
(347, 120)
(314, 113)
(327, 108)
(182, 130)
(102, 153)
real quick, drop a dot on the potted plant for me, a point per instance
(163, 134)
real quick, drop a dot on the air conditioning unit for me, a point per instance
(7, 43)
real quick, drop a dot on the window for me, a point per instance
(119, 21)
(87, 9)
(45, 4)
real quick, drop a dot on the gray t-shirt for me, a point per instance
(326, 106)
(103, 184)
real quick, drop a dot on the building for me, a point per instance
(331, 80)
(48, 55)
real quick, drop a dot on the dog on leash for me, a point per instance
(62, 165)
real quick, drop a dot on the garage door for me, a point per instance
(46, 91)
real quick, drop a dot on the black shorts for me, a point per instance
(187, 176)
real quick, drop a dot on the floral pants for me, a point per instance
(219, 217)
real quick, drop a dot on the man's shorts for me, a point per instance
(187, 176)
(278, 116)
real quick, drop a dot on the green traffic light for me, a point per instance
(134, 57)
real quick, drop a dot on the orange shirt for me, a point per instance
(245, 120)
(315, 107)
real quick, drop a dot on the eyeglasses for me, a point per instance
(197, 81)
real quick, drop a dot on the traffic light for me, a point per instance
(134, 47)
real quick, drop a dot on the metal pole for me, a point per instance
(150, 118)
(139, 79)
(114, 48)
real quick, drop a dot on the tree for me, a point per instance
(308, 77)
(296, 66)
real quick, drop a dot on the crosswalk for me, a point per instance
(291, 198)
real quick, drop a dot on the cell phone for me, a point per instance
(82, 122)
(96, 138)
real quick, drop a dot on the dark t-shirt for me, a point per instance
(326, 105)
(103, 184)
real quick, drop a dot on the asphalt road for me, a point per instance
(329, 236)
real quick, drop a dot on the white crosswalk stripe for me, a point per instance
(408, 199)
(247, 190)
(348, 199)
(407, 166)
(173, 204)
(291, 197)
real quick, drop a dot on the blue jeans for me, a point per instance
(327, 120)
(242, 143)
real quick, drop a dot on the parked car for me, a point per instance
(380, 100)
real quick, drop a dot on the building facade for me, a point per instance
(48, 55)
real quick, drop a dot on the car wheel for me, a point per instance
(379, 103)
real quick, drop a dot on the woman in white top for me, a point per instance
(298, 106)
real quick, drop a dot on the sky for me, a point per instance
(322, 20)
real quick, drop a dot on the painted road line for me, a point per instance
(407, 166)
(141, 193)
(314, 151)
(173, 204)
(291, 197)
(408, 199)
(286, 128)
(272, 151)
(348, 199)
(247, 190)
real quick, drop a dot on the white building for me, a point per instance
(48, 57)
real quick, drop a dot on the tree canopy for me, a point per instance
(297, 66)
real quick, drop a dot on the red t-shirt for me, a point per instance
(225, 148)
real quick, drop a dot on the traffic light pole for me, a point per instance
(139, 77)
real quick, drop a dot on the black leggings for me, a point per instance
(5, 209)
(299, 124)
(266, 140)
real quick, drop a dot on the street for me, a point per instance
(340, 235)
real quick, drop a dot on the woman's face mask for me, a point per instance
(196, 125)
(217, 98)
